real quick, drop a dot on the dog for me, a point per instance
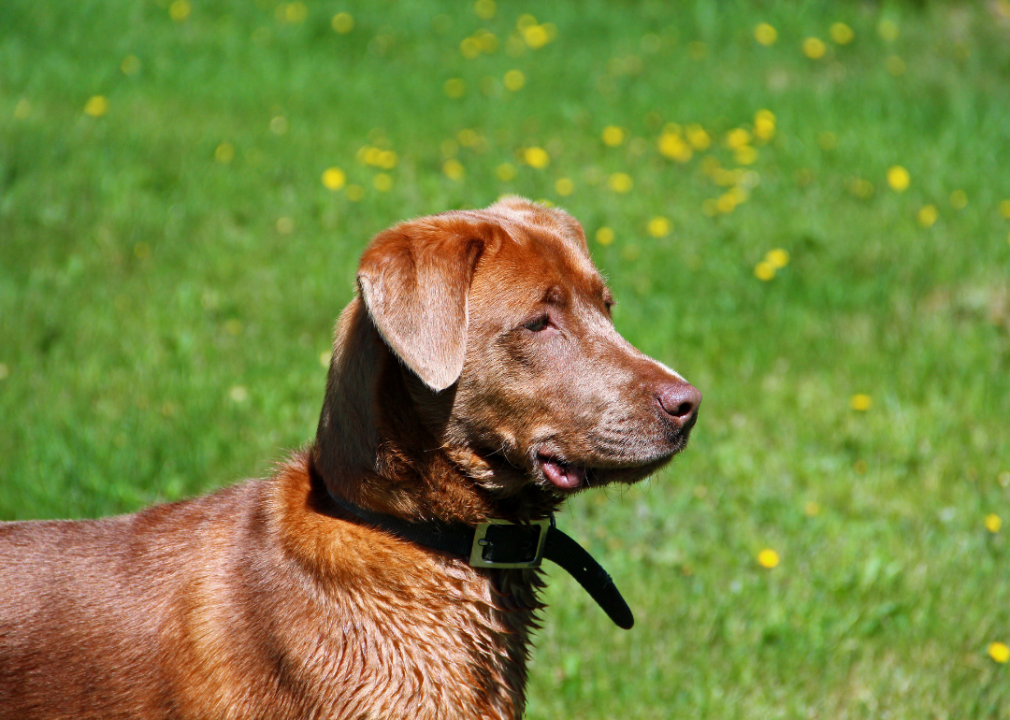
(476, 382)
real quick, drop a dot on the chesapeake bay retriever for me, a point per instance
(475, 376)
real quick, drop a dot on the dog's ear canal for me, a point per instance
(415, 281)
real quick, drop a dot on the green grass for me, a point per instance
(142, 281)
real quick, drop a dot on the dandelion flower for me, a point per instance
(485, 9)
(672, 145)
(861, 402)
(659, 227)
(898, 178)
(814, 48)
(334, 178)
(766, 34)
(453, 169)
(927, 216)
(179, 10)
(514, 80)
(505, 172)
(620, 182)
(959, 199)
(778, 258)
(295, 12)
(737, 138)
(613, 136)
(999, 652)
(536, 157)
(768, 558)
(764, 125)
(993, 522)
(745, 155)
(1004, 208)
(469, 47)
(130, 65)
(764, 271)
(386, 159)
(382, 182)
(536, 36)
(96, 106)
(564, 187)
(224, 153)
(699, 139)
(342, 23)
(841, 33)
(454, 88)
(605, 236)
(887, 30)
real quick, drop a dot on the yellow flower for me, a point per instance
(453, 169)
(96, 106)
(737, 138)
(993, 522)
(564, 187)
(485, 9)
(470, 48)
(536, 36)
(354, 193)
(386, 159)
(224, 153)
(295, 12)
(179, 10)
(673, 146)
(505, 172)
(959, 199)
(928, 215)
(130, 65)
(745, 155)
(613, 136)
(861, 402)
(696, 135)
(659, 227)
(334, 178)
(814, 48)
(604, 236)
(1004, 208)
(765, 34)
(778, 258)
(999, 652)
(764, 125)
(514, 80)
(454, 88)
(536, 157)
(898, 178)
(342, 23)
(887, 30)
(620, 182)
(764, 270)
(382, 182)
(768, 559)
(841, 33)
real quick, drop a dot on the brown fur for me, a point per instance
(446, 398)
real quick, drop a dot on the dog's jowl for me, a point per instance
(392, 569)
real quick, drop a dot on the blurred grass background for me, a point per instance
(803, 207)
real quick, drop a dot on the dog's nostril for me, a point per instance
(679, 400)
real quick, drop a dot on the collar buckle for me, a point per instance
(522, 550)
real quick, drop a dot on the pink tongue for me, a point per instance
(566, 477)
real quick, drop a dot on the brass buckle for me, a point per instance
(480, 542)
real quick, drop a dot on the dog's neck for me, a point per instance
(382, 445)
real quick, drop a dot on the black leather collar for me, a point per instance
(504, 545)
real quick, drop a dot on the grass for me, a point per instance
(171, 269)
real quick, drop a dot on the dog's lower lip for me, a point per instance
(562, 475)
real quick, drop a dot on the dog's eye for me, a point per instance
(537, 325)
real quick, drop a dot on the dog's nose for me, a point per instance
(680, 401)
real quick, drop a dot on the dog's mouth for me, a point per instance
(561, 474)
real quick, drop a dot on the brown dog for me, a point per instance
(476, 376)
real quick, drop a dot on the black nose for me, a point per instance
(680, 401)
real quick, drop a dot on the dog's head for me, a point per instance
(502, 325)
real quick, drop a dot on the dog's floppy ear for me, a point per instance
(415, 281)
